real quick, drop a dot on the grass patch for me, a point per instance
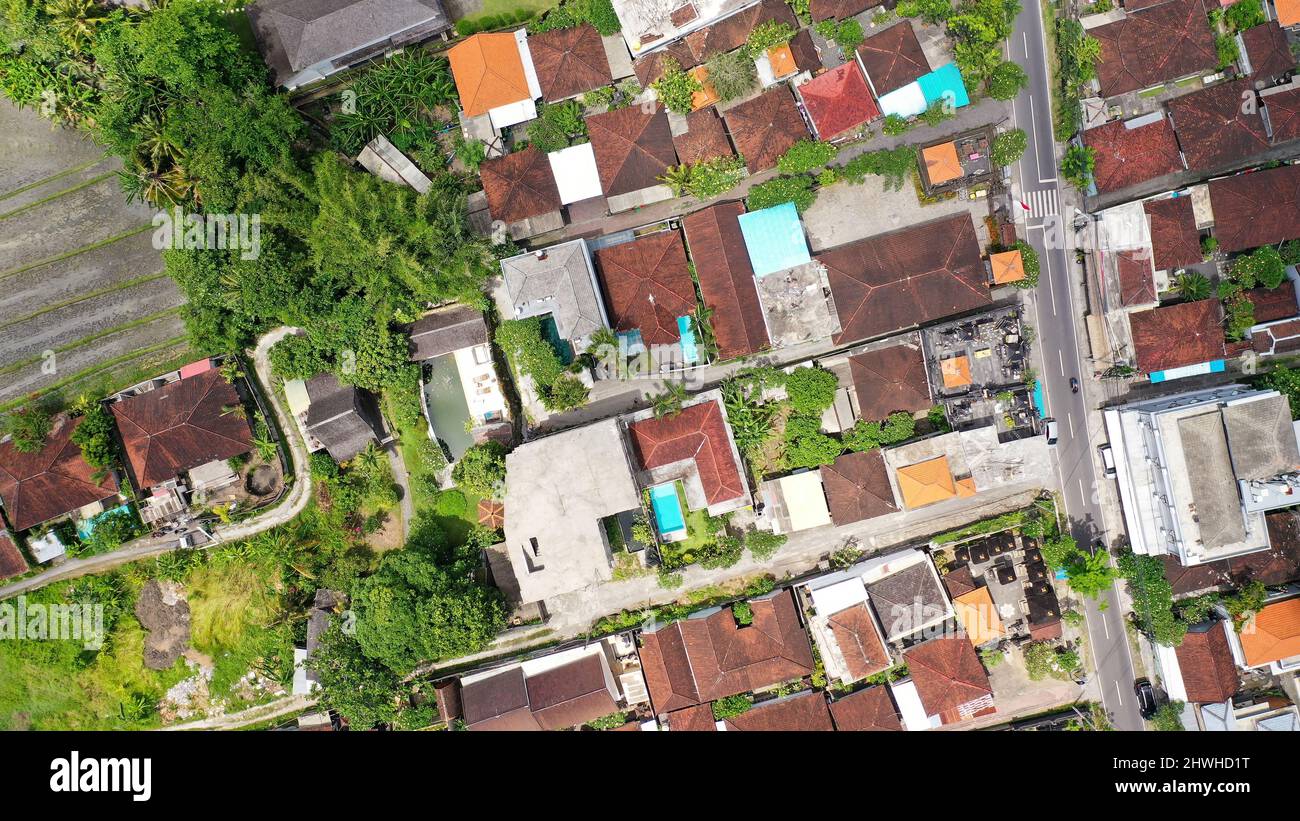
(86, 340)
(499, 7)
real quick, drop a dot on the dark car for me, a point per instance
(1074, 385)
(1146, 696)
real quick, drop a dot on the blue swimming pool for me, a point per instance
(690, 352)
(668, 509)
(87, 527)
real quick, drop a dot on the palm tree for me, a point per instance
(155, 143)
(678, 178)
(669, 403)
(265, 447)
(1193, 286)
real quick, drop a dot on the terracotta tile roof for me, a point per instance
(647, 286)
(959, 582)
(700, 433)
(698, 660)
(806, 712)
(955, 371)
(633, 148)
(1273, 635)
(857, 487)
(1212, 128)
(1173, 336)
(781, 59)
(695, 719)
(1259, 208)
(726, 279)
(1137, 282)
(871, 709)
(764, 127)
(570, 695)
(519, 185)
(908, 277)
(839, 101)
(893, 58)
(650, 68)
(488, 71)
(569, 62)
(37, 487)
(1205, 660)
(947, 674)
(979, 616)
(1175, 242)
(1184, 579)
(859, 641)
(941, 163)
(707, 95)
(1284, 115)
(1154, 45)
(1272, 304)
(12, 562)
(499, 702)
(926, 483)
(704, 139)
(180, 426)
(1008, 266)
(1046, 631)
(1281, 562)
(1266, 46)
(1128, 156)
(731, 32)
(888, 380)
(1288, 11)
(840, 9)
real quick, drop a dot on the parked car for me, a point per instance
(1049, 428)
(1107, 461)
(1146, 696)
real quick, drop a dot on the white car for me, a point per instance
(1049, 428)
(1107, 461)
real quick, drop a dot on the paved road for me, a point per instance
(1059, 334)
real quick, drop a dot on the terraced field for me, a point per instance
(84, 303)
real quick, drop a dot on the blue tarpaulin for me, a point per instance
(774, 238)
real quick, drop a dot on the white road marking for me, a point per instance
(1082, 497)
(1119, 693)
(1033, 123)
(1105, 625)
(1060, 357)
(1069, 417)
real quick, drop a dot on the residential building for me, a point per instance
(1272, 638)
(461, 392)
(648, 288)
(949, 681)
(1154, 44)
(337, 417)
(795, 502)
(557, 283)
(1129, 152)
(52, 482)
(693, 447)
(1216, 127)
(633, 147)
(871, 709)
(708, 26)
(857, 487)
(704, 139)
(1256, 209)
(765, 127)
(838, 101)
(803, 712)
(1201, 670)
(844, 626)
(893, 58)
(521, 193)
(726, 277)
(495, 77)
(12, 562)
(905, 592)
(569, 62)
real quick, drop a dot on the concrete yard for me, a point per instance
(844, 212)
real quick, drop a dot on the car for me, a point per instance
(1107, 461)
(1049, 428)
(1074, 385)
(1146, 696)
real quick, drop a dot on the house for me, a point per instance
(1282, 104)
(557, 283)
(495, 76)
(453, 346)
(1272, 638)
(704, 139)
(337, 417)
(905, 592)
(648, 287)
(765, 127)
(633, 148)
(978, 616)
(940, 164)
(521, 192)
(844, 627)
(584, 472)
(907, 277)
(1154, 45)
(889, 379)
(871, 709)
(1262, 714)
(931, 481)
(1227, 455)
(708, 26)
(576, 175)
(804, 712)
(1256, 209)
(838, 102)
(709, 656)
(1288, 12)
(1129, 152)
(774, 239)
(949, 680)
(840, 9)
(694, 447)
(1265, 55)
(12, 562)
(893, 58)
(726, 278)
(796, 502)
(1171, 337)
(1175, 241)
(569, 62)
(1216, 127)
(52, 482)
(1201, 670)
(303, 41)
(857, 487)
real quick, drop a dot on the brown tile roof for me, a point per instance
(840, 9)
(893, 58)
(838, 100)
(1175, 242)
(1137, 283)
(650, 68)
(726, 279)
(888, 380)
(1046, 631)
(1281, 562)
(12, 562)
(519, 185)
(871, 709)
(1284, 115)
(704, 138)
(1266, 46)
(633, 148)
(37, 487)
(959, 582)
(859, 641)
(806, 712)
(764, 127)
(180, 426)
(1184, 579)
(1272, 304)
(498, 702)
(857, 487)
(1128, 156)
(697, 719)
(700, 433)
(1172, 336)
(908, 277)
(1205, 660)
(804, 51)
(569, 61)
(697, 660)
(731, 32)
(571, 694)
(647, 286)
(1259, 208)
(947, 675)
(1154, 45)
(1213, 129)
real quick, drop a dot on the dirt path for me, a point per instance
(253, 715)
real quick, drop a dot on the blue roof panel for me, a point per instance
(774, 238)
(943, 79)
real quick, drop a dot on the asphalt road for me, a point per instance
(1058, 340)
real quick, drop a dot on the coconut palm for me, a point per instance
(678, 178)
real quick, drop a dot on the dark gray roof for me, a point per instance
(447, 329)
(1209, 470)
(1260, 438)
(336, 417)
(908, 596)
(558, 280)
(318, 621)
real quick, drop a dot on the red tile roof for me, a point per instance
(893, 58)
(1128, 156)
(888, 380)
(569, 61)
(959, 582)
(1154, 45)
(1272, 304)
(647, 286)
(1175, 242)
(1173, 336)
(840, 9)
(704, 138)
(806, 712)
(1260, 208)
(857, 487)
(12, 562)
(1284, 115)
(732, 31)
(519, 185)
(1205, 660)
(871, 709)
(726, 279)
(908, 277)
(570, 695)
(698, 660)
(700, 433)
(1266, 46)
(947, 675)
(633, 147)
(37, 487)
(838, 100)
(180, 426)
(1137, 283)
(1214, 129)
(765, 127)
(693, 719)
(859, 641)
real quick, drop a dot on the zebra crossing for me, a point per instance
(1042, 203)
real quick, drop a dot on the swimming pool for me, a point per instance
(690, 352)
(668, 510)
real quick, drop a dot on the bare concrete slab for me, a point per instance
(845, 212)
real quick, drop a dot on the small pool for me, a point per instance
(668, 510)
(87, 527)
(690, 352)
(551, 333)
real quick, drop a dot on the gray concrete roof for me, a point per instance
(558, 280)
(1260, 438)
(1209, 471)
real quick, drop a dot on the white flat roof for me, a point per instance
(513, 114)
(907, 101)
(805, 501)
(833, 598)
(909, 704)
(575, 173)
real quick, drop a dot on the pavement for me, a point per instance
(1057, 302)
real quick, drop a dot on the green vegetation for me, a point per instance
(1193, 286)
(806, 155)
(743, 613)
(676, 88)
(706, 179)
(931, 11)
(530, 354)
(482, 470)
(847, 34)
(763, 544)
(1225, 48)
(894, 164)
(731, 706)
(766, 35)
(558, 126)
(1153, 599)
(1077, 53)
(1168, 717)
(95, 437)
(798, 190)
(1077, 166)
(1285, 381)
(1038, 520)
(488, 21)
(1029, 260)
(732, 74)
(29, 426)
(1042, 660)
(866, 435)
(1007, 81)
(571, 13)
(1243, 14)
(397, 98)
(978, 29)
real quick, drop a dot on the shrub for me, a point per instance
(1009, 147)
(482, 469)
(894, 164)
(1263, 265)
(895, 125)
(732, 74)
(1193, 286)
(763, 544)
(1243, 14)
(806, 155)
(1077, 166)
(798, 190)
(29, 426)
(725, 551)
(731, 706)
(676, 89)
(811, 390)
(1007, 80)
(743, 613)
(610, 722)
(451, 503)
(931, 11)
(565, 393)
(805, 444)
(768, 34)
(1225, 46)
(1029, 259)
(95, 437)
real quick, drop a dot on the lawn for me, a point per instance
(498, 7)
(698, 534)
